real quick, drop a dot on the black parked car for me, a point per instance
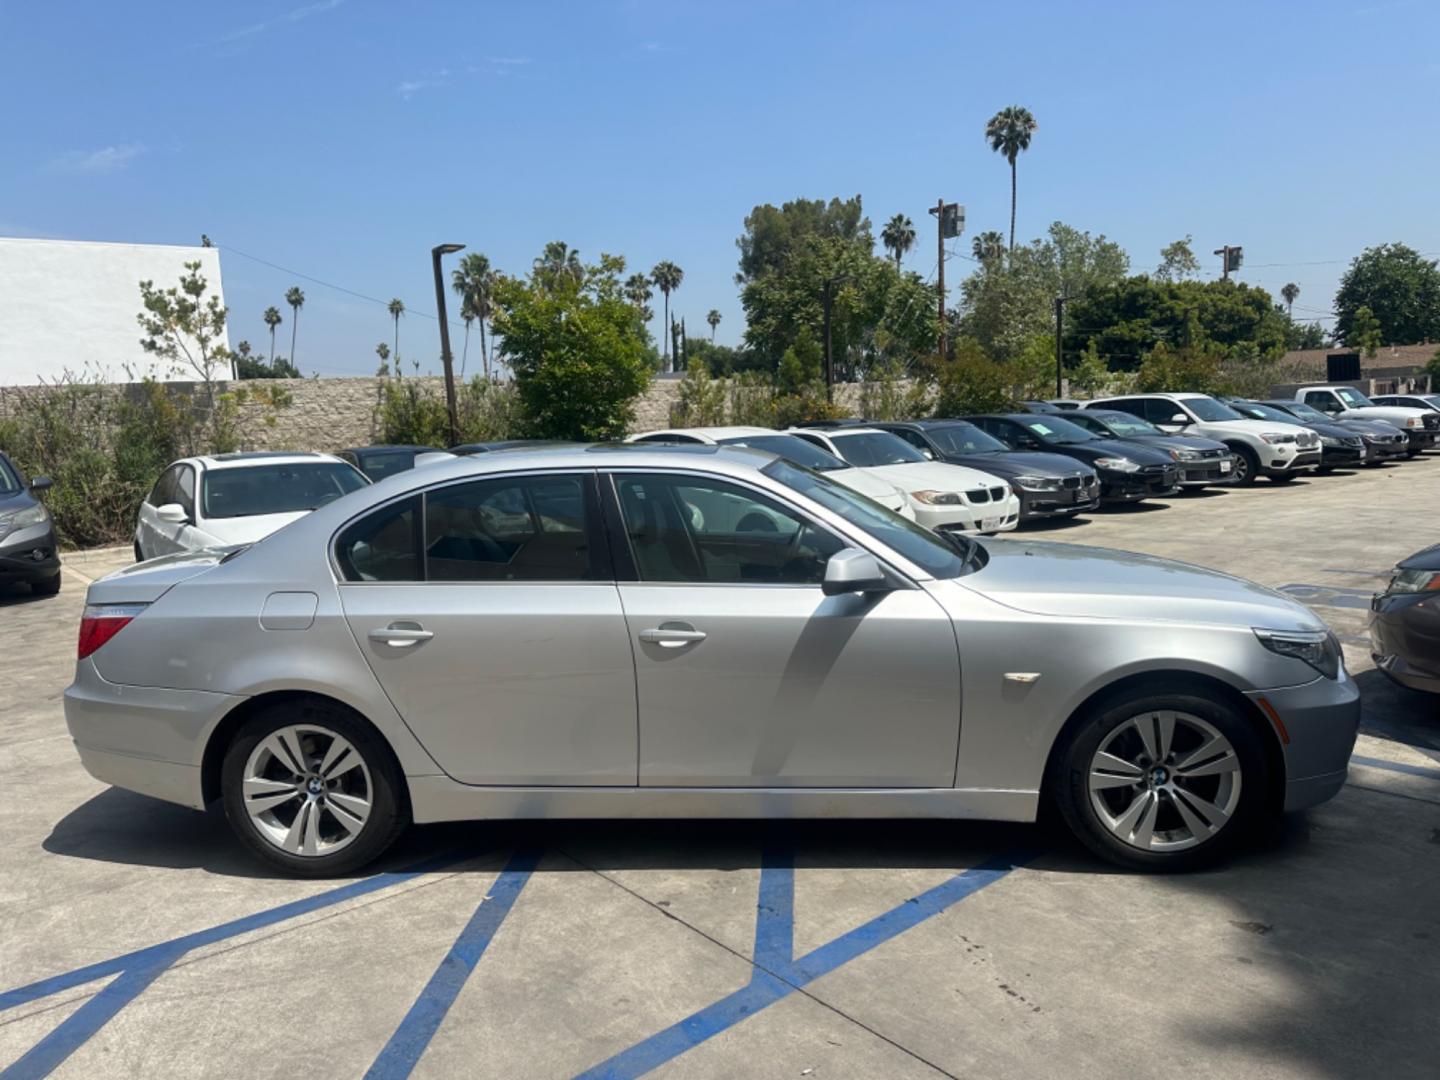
(1405, 623)
(28, 552)
(1040, 407)
(1202, 461)
(378, 462)
(1383, 440)
(1339, 446)
(1128, 471)
(1049, 485)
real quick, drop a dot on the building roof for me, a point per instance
(1385, 359)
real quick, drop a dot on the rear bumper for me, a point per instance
(1321, 720)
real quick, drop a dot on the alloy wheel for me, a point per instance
(307, 790)
(1164, 781)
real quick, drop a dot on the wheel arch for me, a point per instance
(1173, 681)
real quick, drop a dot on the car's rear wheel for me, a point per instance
(1246, 466)
(313, 791)
(1161, 781)
(49, 587)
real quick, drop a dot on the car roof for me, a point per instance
(241, 459)
(848, 429)
(389, 446)
(714, 432)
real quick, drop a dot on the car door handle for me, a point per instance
(675, 638)
(401, 637)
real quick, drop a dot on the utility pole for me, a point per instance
(1230, 259)
(445, 359)
(1059, 337)
(949, 223)
(827, 297)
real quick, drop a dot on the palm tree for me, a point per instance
(383, 351)
(272, 320)
(557, 261)
(714, 320)
(637, 290)
(1009, 133)
(396, 308)
(988, 246)
(474, 282)
(667, 277)
(296, 299)
(1291, 292)
(898, 236)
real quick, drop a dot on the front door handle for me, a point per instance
(672, 637)
(401, 635)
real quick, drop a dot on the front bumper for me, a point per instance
(1132, 487)
(1335, 456)
(1321, 721)
(146, 739)
(29, 554)
(1419, 439)
(1405, 638)
(1283, 460)
(1209, 473)
(1000, 516)
(1058, 502)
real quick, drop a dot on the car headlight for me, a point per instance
(1407, 581)
(1037, 483)
(1274, 438)
(1318, 648)
(1185, 455)
(23, 519)
(1117, 464)
(938, 498)
(1328, 440)
(1415, 422)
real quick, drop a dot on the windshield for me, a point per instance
(1057, 430)
(1353, 398)
(1207, 408)
(378, 464)
(1123, 424)
(1305, 412)
(245, 491)
(922, 547)
(871, 448)
(1256, 411)
(964, 439)
(8, 480)
(791, 448)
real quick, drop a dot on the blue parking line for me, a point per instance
(769, 984)
(400, 1055)
(138, 969)
(1396, 766)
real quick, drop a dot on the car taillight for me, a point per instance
(101, 622)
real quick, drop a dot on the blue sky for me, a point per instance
(341, 139)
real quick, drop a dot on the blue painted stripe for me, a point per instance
(81, 1025)
(400, 1055)
(1396, 766)
(765, 988)
(775, 911)
(142, 957)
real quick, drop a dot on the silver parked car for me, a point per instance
(695, 631)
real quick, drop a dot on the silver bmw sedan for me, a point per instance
(695, 631)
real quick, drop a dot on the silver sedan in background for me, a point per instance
(642, 631)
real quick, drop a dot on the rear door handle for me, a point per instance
(401, 635)
(672, 638)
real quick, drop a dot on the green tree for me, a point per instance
(1365, 332)
(1290, 292)
(272, 319)
(701, 401)
(1401, 289)
(667, 277)
(1432, 367)
(638, 291)
(473, 281)
(1009, 132)
(898, 236)
(1178, 261)
(558, 266)
(714, 320)
(396, 307)
(382, 350)
(186, 328)
(296, 299)
(577, 348)
(772, 233)
(1189, 369)
(1089, 375)
(970, 382)
(988, 247)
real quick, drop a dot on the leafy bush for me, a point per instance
(412, 411)
(702, 399)
(884, 396)
(971, 382)
(1164, 370)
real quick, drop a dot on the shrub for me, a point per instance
(412, 411)
(1180, 371)
(971, 382)
(702, 399)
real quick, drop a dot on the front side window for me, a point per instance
(874, 448)
(185, 490)
(251, 490)
(164, 490)
(698, 529)
(514, 528)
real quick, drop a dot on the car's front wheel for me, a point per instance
(1247, 465)
(312, 791)
(1161, 781)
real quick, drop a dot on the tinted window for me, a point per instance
(1255, 411)
(964, 439)
(248, 490)
(1133, 406)
(1056, 429)
(667, 438)
(1090, 423)
(164, 490)
(1207, 408)
(1304, 412)
(1123, 424)
(379, 464)
(703, 530)
(791, 449)
(385, 546)
(528, 528)
(868, 449)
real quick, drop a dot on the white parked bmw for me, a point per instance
(951, 498)
(224, 499)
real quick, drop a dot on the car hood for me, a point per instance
(1176, 442)
(863, 481)
(933, 476)
(1021, 463)
(1070, 580)
(1370, 427)
(1137, 452)
(248, 530)
(1429, 559)
(15, 500)
(1249, 427)
(1395, 414)
(1330, 430)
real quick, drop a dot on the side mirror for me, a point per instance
(852, 570)
(172, 514)
(1180, 418)
(928, 453)
(40, 483)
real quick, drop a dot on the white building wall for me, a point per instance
(69, 305)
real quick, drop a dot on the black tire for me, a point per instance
(1247, 466)
(48, 587)
(1281, 477)
(1068, 785)
(390, 809)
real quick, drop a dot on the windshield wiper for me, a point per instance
(966, 546)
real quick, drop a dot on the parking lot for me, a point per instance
(137, 938)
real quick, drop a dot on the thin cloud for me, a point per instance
(410, 87)
(508, 61)
(105, 160)
(294, 15)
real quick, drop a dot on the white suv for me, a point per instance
(1262, 447)
(224, 499)
(1421, 426)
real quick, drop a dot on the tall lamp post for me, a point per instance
(445, 358)
(827, 297)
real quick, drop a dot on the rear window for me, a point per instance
(252, 490)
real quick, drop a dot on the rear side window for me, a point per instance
(385, 546)
(530, 528)
(1134, 406)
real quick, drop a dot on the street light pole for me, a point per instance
(1059, 336)
(827, 296)
(445, 358)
